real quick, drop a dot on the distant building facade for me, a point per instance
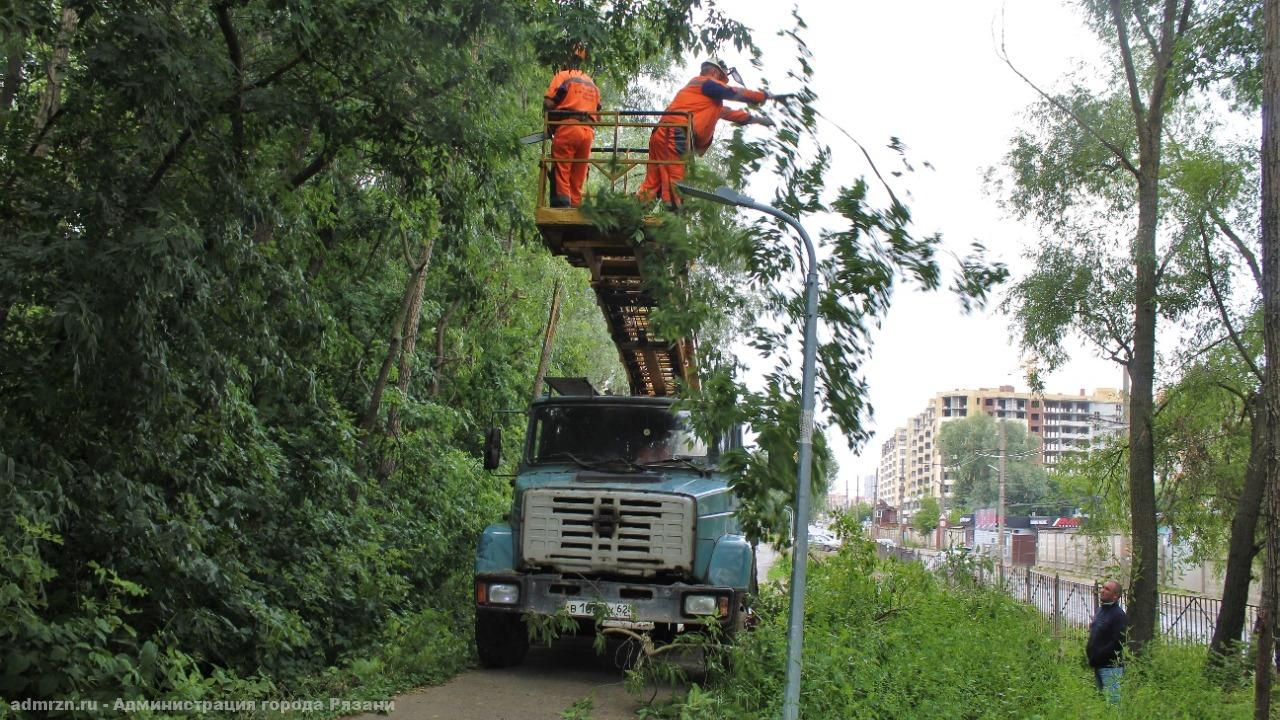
(893, 466)
(911, 466)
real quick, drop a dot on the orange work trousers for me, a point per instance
(571, 142)
(665, 144)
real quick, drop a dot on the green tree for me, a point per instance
(265, 273)
(970, 451)
(707, 271)
(928, 516)
(1097, 158)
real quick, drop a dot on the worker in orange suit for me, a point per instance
(704, 97)
(572, 98)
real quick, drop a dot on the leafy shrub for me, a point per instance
(885, 639)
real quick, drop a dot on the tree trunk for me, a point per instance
(51, 98)
(387, 463)
(1148, 124)
(1243, 546)
(437, 368)
(1271, 340)
(397, 339)
(1142, 494)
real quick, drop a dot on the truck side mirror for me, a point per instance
(492, 448)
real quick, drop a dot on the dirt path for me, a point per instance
(549, 681)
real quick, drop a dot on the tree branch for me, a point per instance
(1164, 264)
(1245, 252)
(277, 73)
(222, 11)
(37, 142)
(315, 166)
(1184, 20)
(1232, 390)
(195, 123)
(1169, 34)
(1110, 146)
(1222, 307)
(1201, 351)
(1130, 74)
(1115, 334)
(167, 162)
(1141, 22)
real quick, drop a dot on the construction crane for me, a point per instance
(654, 365)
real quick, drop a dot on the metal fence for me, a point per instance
(1072, 604)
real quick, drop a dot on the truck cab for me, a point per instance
(618, 512)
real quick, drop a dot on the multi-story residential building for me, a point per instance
(911, 466)
(893, 467)
(924, 472)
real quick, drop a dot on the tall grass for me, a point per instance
(885, 639)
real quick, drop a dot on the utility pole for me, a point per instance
(1000, 510)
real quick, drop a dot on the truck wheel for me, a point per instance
(501, 638)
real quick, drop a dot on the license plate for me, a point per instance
(613, 611)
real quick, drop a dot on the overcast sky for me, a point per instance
(927, 72)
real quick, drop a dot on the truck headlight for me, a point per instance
(706, 605)
(504, 593)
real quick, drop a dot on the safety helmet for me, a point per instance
(717, 64)
(729, 72)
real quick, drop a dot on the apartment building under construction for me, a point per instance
(911, 466)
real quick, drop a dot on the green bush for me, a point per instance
(885, 639)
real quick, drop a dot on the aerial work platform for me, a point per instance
(653, 365)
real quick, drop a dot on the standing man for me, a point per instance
(572, 98)
(704, 97)
(1105, 648)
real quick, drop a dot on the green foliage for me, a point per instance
(927, 516)
(230, 461)
(1202, 449)
(580, 709)
(888, 639)
(711, 274)
(970, 449)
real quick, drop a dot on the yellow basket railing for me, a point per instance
(616, 162)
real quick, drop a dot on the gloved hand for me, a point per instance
(763, 120)
(778, 97)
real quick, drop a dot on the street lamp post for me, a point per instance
(800, 555)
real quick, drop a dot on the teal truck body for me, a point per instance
(617, 513)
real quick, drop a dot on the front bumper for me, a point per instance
(548, 593)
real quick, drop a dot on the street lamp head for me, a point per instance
(724, 195)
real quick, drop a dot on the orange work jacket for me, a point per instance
(704, 96)
(575, 96)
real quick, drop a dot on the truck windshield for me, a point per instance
(631, 434)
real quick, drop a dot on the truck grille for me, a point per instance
(608, 531)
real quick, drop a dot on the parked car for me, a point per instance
(886, 542)
(824, 542)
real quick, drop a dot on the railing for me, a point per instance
(615, 162)
(1072, 604)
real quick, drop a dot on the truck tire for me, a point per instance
(501, 638)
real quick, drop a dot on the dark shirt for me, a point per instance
(1106, 636)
